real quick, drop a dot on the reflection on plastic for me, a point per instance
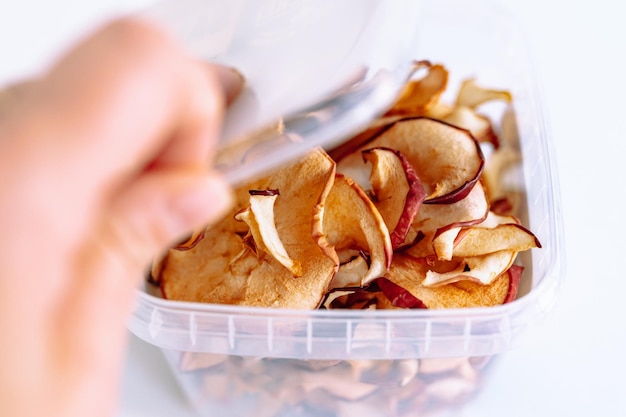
(296, 54)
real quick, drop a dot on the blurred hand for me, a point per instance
(104, 163)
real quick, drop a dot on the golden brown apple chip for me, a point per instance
(397, 191)
(433, 220)
(482, 269)
(351, 221)
(472, 95)
(350, 273)
(259, 217)
(447, 160)
(421, 94)
(409, 273)
(496, 233)
(479, 125)
(221, 268)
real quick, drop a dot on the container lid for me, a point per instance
(316, 72)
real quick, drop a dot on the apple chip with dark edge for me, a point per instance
(351, 221)
(398, 192)
(221, 267)
(477, 124)
(420, 226)
(408, 273)
(351, 273)
(483, 269)
(496, 233)
(447, 159)
(434, 220)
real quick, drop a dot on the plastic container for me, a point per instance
(234, 361)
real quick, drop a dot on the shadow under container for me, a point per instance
(237, 361)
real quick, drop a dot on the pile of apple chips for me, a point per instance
(409, 213)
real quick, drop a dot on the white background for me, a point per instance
(573, 363)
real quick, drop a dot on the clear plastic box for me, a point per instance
(236, 361)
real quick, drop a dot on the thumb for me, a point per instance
(159, 209)
(150, 214)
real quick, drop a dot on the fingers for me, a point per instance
(125, 99)
(231, 80)
(125, 102)
(13, 95)
(115, 142)
(157, 210)
(115, 259)
(145, 119)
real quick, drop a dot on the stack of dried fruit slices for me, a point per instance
(417, 211)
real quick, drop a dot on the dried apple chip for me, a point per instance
(351, 273)
(479, 125)
(408, 273)
(351, 221)
(447, 160)
(221, 269)
(420, 226)
(421, 94)
(472, 95)
(482, 269)
(397, 191)
(260, 219)
(433, 220)
(497, 233)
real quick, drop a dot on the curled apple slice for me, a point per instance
(397, 191)
(408, 273)
(479, 125)
(482, 269)
(502, 174)
(260, 219)
(351, 273)
(472, 95)
(352, 221)
(220, 268)
(447, 159)
(433, 220)
(497, 233)
(421, 94)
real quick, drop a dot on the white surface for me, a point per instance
(574, 363)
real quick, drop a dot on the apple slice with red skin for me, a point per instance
(357, 299)
(433, 220)
(397, 295)
(397, 191)
(418, 98)
(447, 160)
(515, 277)
(483, 269)
(351, 221)
(496, 233)
(401, 298)
(408, 273)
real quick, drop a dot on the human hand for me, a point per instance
(104, 163)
